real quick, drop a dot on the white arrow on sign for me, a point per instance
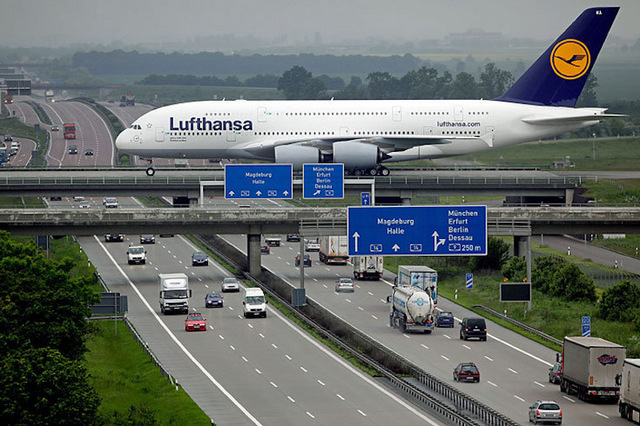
(259, 193)
(437, 242)
(231, 193)
(356, 236)
(317, 192)
(395, 248)
(286, 192)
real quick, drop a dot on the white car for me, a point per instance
(84, 205)
(312, 245)
(230, 284)
(344, 284)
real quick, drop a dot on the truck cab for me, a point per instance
(254, 303)
(136, 254)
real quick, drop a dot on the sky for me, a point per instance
(57, 23)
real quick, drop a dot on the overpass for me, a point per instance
(519, 222)
(192, 183)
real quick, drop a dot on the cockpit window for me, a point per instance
(136, 127)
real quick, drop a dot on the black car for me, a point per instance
(466, 372)
(213, 299)
(73, 149)
(307, 260)
(8, 138)
(264, 249)
(293, 237)
(199, 258)
(113, 238)
(147, 239)
(555, 374)
(88, 152)
(473, 327)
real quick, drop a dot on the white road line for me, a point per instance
(407, 336)
(221, 336)
(512, 370)
(320, 381)
(290, 399)
(602, 415)
(258, 371)
(374, 317)
(490, 359)
(539, 384)
(232, 347)
(310, 415)
(369, 293)
(340, 396)
(360, 308)
(424, 346)
(492, 384)
(303, 369)
(442, 356)
(466, 347)
(273, 384)
(288, 357)
(346, 299)
(261, 335)
(244, 359)
(250, 325)
(360, 411)
(519, 398)
(274, 346)
(177, 342)
(568, 399)
(447, 336)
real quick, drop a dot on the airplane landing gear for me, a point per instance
(150, 170)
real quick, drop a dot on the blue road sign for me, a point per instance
(258, 181)
(418, 231)
(323, 180)
(365, 199)
(586, 326)
(469, 281)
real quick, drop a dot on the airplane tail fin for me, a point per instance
(560, 73)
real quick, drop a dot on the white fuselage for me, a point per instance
(414, 129)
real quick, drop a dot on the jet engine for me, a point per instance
(356, 155)
(297, 155)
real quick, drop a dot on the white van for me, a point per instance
(254, 303)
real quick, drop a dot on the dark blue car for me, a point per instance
(213, 300)
(444, 319)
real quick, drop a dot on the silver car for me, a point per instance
(230, 284)
(344, 284)
(545, 412)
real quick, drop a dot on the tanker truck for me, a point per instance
(411, 309)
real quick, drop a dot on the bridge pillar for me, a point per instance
(193, 202)
(405, 201)
(568, 196)
(253, 254)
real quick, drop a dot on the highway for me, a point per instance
(243, 371)
(513, 369)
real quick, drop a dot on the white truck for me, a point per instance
(334, 250)
(174, 293)
(591, 368)
(411, 309)
(629, 403)
(136, 254)
(422, 277)
(367, 267)
(254, 303)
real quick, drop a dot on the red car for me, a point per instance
(466, 371)
(195, 322)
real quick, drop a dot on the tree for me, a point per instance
(497, 254)
(588, 96)
(382, 85)
(620, 302)
(293, 81)
(515, 268)
(464, 87)
(494, 81)
(570, 283)
(543, 271)
(41, 386)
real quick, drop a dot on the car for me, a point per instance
(312, 245)
(545, 411)
(167, 235)
(199, 258)
(466, 372)
(473, 327)
(54, 128)
(113, 238)
(73, 149)
(272, 241)
(307, 260)
(110, 202)
(344, 284)
(293, 237)
(555, 374)
(78, 198)
(213, 299)
(8, 138)
(264, 249)
(195, 322)
(444, 319)
(88, 152)
(230, 284)
(147, 239)
(55, 198)
(84, 205)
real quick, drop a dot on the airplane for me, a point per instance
(364, 134)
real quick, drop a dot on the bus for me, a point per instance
(69, 130)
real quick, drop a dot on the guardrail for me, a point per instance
(519, 324)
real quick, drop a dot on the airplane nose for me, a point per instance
(123, 138)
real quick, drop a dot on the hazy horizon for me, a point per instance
(40, 23)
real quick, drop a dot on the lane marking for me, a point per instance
(444, 357)
(320, 381)
(360, 411)
(424, 346)
(490, 359)
(290, 399)
(539, 384)
(602, 415)
(568, 399)
(466, 347)
(512, 370)
(492, 384)
(519, 398)
(340, 396)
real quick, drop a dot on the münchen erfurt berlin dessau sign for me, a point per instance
(419, 231)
